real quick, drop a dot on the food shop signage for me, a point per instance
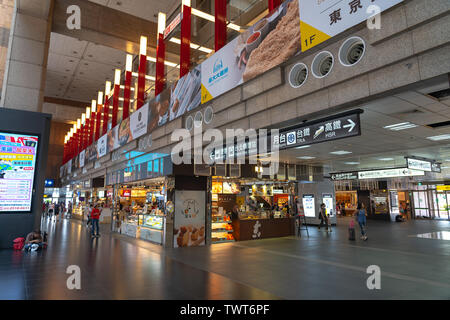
(417, 164)
(321, 131)
(443, 188)
(175, 22)
(323, 19)
(436, 167)
(190, 216)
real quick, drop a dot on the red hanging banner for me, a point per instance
(220, 24)
(92, 133)
(160, 81)
(127, 95)
(273, 4)
(141, 80)
(98, 121)
(115, 110)
(105, 115)
(185, 48)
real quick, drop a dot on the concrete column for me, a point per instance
(26, 62)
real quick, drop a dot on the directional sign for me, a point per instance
(344, 176)
(436, 167)
(417, 164)
(329, 129)
(389, 173)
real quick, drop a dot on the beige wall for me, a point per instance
(6, 11)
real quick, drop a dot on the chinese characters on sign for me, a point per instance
(337, 128)
(323, 19)
(17, 165)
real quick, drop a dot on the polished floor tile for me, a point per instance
(322, 266)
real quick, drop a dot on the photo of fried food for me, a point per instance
(124, 132)
(279, 45)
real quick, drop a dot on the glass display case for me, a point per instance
(151, 221)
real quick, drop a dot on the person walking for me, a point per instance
(323, 216)
(88, 211)
(57, 209)
(95, 216)
(69, 210)
(361, 218)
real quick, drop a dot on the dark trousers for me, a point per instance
(322, 220)
(95, 227)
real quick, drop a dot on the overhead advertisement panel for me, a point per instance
(18, 154)
(268, 43)
(323, 19)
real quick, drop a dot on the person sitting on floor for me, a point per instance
(34, 240)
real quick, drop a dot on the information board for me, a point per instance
(308, 205)
(18, 154)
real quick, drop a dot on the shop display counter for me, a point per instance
(222, 229)
(144, 226)
(251, 229)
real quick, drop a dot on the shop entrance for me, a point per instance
(421, 205)
(443, 205)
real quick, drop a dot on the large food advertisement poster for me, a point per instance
(138, 122)
(185, 94)
(113, 139)
(268, 43)
(82, 158)
(102, 148)
(322, 20)
(91, 153)
(189, 219)
(18, 154)
(159, 110)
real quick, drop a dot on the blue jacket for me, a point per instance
(362, 215)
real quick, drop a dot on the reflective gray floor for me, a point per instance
(323, 266)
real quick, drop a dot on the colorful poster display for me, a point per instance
(268, 43)
(322, 20)
(189, 218)
(18, 154)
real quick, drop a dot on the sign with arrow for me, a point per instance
(323, 130)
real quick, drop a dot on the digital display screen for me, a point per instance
(18, 154)
(308, 205)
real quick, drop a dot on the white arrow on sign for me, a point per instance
(351, 125)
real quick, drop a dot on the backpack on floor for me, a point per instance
(18, 243)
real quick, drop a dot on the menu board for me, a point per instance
(231, 188)
(217, 187)
(18, 154)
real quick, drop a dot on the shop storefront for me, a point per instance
(139, 210)
(262, 209)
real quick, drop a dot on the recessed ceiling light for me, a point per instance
(303, 147)
(341, 152)
(351, 162)
(385, 159)
(306, 158)
(401, 126)
(440, 137)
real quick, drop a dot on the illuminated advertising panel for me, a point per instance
(18, 154)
